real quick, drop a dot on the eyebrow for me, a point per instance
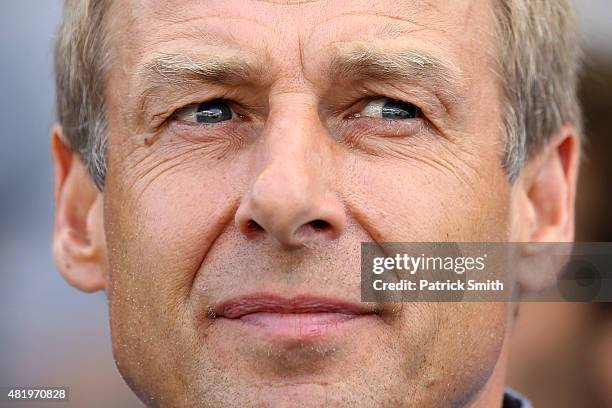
(175, 69)
(411, 66)
(164, 71)
(167, 71)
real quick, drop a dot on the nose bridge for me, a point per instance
(294, 145)
(291, 197)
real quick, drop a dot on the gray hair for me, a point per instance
(82, 57)
(538, 63)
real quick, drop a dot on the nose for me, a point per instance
(291, 197)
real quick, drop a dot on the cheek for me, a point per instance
(157, 238)
(471, 340)
(167, 228)
(421, 200)
(159, 230)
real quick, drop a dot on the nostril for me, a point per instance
(316, 229)
(253, 226)
(319, 225)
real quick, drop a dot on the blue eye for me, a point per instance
(386, 108)
(214, 111)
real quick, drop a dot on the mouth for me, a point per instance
(299, 317)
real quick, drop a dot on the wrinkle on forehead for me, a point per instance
(300, 41)
(170, 4)
(421, 14)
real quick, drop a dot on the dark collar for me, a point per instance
(513, 399)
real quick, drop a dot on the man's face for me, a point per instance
(253, 146)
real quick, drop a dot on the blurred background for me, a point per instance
(54, 335)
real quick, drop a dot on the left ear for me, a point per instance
(546, 190)
(79, 245)
(544, 199)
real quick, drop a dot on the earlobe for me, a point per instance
(79, 246)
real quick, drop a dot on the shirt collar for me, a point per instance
(513, 399)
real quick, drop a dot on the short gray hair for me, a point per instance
(538, 63)
(82, 57)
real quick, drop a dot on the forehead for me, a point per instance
(284, 31)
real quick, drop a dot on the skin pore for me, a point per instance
(276, 199)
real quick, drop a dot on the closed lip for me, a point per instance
(240, 306)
